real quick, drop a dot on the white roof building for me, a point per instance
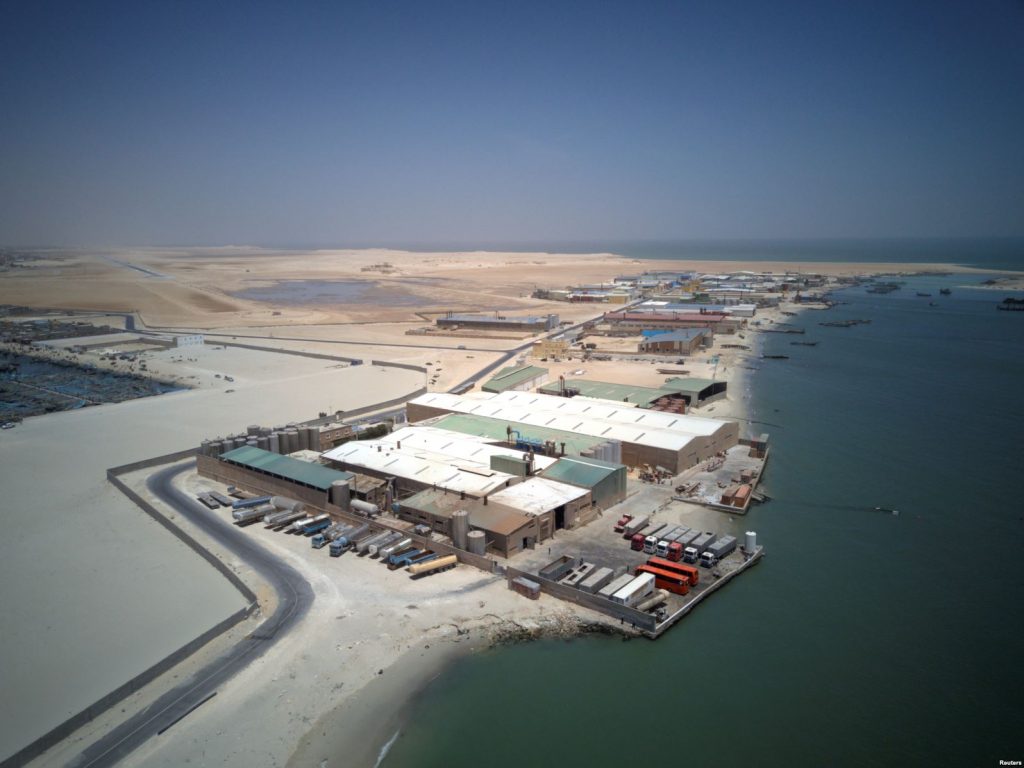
(537, 495)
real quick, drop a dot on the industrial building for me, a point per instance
(550, 348)
(685, 341)
(518, 378)
(719, 322)
(659, 399)
(698, 391)
(605, 480)
(672, 441)
(496, 322)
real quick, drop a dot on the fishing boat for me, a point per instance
(945, 291)
(1011, 305)
(804, 343)
(919, 293)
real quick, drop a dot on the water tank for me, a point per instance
(311, 438)
(292, 441)
(460, 528)
(252, 430)
(263, 442)
(750, 541)
(204, 448)
(275, 442)
(364, 507)
(340, 494)
(476, 542)
(227, 445)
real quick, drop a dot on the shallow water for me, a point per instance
(863, 638)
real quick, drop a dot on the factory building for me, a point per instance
(517, 378)
(605, 481)
(496, 322)
(719, 322)
(659, 399)
(189, 340)
(685, 341)
(506, 530)
(698, 391)
(553, 504)
(550, 348)
(672, 441)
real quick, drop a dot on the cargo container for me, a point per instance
(673, 581)
(636, 590)
(687, 538)
(615, 585)
(650, 545)
(637, 542)
(315, 525)
(678, 534)
(634, 526)
(718, 550)
(207, 501)
(243, 503)
(437, 565)
(691, 573)
(596, 580)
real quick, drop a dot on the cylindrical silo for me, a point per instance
(340, 493)
(204, 448)
(252, 443)
(227, 445)
(252, 430)
(293, 440)
(265, 431)
(239, 441)
(750, 541)
(460, 528)
(263, 442)
(477, 542)
(275, 442)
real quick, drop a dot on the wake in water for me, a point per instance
(385, 749)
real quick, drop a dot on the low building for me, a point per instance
(685, 341)
(659, 399)
(698, 391)
(719, 322)
(189, 340)
(496, 322)
(516, 378)
(550, 348)
(553, 504)
(605, 481)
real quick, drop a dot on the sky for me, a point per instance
(335, 123)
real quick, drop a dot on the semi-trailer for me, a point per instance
(677, 534)
(395, 546)
(659, 597)
(596, 580)
(363, 546)
(316, 526)
(688, 538)
(718, 550)
(621, 524)
(281, 519)
(423, 558)
(653, 529)
(401, 560)
(243, 503)
(328, 535)
(693, 552)
(244, 517)
(301, 526)
(374, 549)
(352, 536)
(634, 526)
(221, 499)
(636, 590)
(421, 569)
(615, 585)
(413, 550)
(295, 526)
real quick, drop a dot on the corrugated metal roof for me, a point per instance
(537, 495)
(285, 467)
(616, 392)
(496, 429)
(495, 518)
(580, 471)
(684, 334)
(690, 384)
(513, 376)
(445, 444)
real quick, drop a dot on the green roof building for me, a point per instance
(644, 397)
(605, 480)
(518, 378)
(285, 467)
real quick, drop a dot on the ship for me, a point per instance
(945, 291)
(921, 293)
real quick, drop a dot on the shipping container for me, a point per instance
(636, 590)
(688, 538)
(615, 585)
(721, 548)
(596, 580)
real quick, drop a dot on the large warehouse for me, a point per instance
(672, 441)
(496, 322)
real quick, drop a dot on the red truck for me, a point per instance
(623, 521)
(637, 542)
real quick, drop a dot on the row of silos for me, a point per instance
(284, 440)
(610, 451)
(465, 539)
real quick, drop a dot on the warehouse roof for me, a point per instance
(420, 466)
(683, 334)
(513, 376)
(493, 517)
(536, 495)
(454, 446)
(690, 384)
(285, 467)
(497, 429)
(603, 390)
(584, 472)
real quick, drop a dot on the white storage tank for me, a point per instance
(750, 541)
(460, 528)
(477, 542)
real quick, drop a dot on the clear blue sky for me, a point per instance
(339, 123)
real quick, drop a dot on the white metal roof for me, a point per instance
(420, 466)
(537, 495)
(442, 444)
(632, 425)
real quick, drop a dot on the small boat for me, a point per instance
(945, 291)
(775, 357)
(919, 293)
(804, 343)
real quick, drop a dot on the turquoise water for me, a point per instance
(863, 638)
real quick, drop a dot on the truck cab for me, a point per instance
(650, 545)
(637, 542)
(707, 560)
(662, 549)
(690, 555)
(675, 551)
(319, 540)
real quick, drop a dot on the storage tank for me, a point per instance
(252, 430)
(293, 440)
(275, 442)
(750, 541)
(311, 439)
(476, 542)
(364, 507)
(263, 442)
(340, 494)
(227, 445)
(284, 503)
(460, 528)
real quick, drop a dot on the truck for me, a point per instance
(400, 559)
(635, 591)
(687, 538)
(352, 536)
(650, 544)
(711, 556)
(401, 552)
(622, 523)
(637, 542)
(653, 529)
(675, 552)
(363, 546)
(207, 501)
(396, 546)
(278, 519)
(255, 502)
(634, 526)
(677, 534)
(221, 499)
(696, 549)
(316, 525)
(328, 535)
(437, 565)
(338, 546)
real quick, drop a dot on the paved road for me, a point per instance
(295, 597)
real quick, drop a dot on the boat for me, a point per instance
(945, 291)
(804, 343)
(775, 357)
(844, 323)
(919, 293)
(1011, 305)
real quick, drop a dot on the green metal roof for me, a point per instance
(286, 467)
(496, 429)
(582, 472)
(642, 396)
(513, 376)
(690, 385)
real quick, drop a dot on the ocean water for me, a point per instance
(864, 638)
